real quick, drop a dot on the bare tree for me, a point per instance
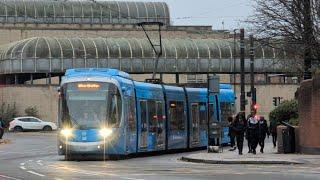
(290, 24)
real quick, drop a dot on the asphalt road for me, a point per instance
(34, 156)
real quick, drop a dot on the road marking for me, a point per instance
(35, 173)
(7, 177)
(39, 161)
(92, 173)
(40, 164)
(22, 167)
(22, 164)
(30, 160)
(130, 178)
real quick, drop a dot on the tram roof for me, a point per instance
(226, 95)
(96, 72)
(83, 12)
(225, 86)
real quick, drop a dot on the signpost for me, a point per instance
(214, 129)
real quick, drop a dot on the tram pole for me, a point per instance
(253, 90)
(242, 80)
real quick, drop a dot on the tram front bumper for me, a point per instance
(81, 147)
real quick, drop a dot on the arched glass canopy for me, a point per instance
(81, 11)
(133, 55)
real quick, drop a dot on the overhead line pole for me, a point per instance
(242, 80)
(253, 90)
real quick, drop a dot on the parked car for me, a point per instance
(29, 123)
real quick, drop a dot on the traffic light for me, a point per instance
(254, 95)
(254, 108)
(275, 101)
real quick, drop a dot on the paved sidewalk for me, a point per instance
(4, 141)
(270, 156)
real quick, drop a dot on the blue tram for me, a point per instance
(103, 111)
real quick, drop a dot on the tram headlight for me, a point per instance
(105, 132)
(66, 132)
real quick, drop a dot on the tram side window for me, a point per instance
(212, 113)
(195, 114)
(203, 115)
(131, 114)
(152, 112)
(176, 114)
(227, 110)
(143, 112)
(115, 109)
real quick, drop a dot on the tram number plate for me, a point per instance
(83, 148)
(83, 136)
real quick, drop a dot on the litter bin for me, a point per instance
(288, 137)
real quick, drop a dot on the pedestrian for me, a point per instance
(239, 126)
(263, 132)
(2, 126)
(248, 133)
(273, 131)
(231, 134)
(253, 134)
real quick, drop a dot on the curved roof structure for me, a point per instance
(79, 11)
(54, 55)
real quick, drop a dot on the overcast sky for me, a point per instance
(208, 12)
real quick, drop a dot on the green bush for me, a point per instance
(32, 111)
(8, 112)
(287, 111)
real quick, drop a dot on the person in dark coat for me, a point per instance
(248, 133)
(253, 133)
(239, 126)
(273, 132)
(232, 134)
(263, 132)
(2, 126)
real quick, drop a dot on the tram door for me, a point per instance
(144, 125)
(195, 123)
(160, 125)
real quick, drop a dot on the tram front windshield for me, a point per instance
(90, 105)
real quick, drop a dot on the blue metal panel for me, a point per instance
(227, 95)
(148, 91)
(197, 94)
(225, 86)
(225, 137)
(91, 135)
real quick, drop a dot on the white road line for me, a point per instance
(40, 164)
(130, 178)
(35, 173)
(7, 177)
(30, 160)
(22, 164)
(39, 161)
(22, 167)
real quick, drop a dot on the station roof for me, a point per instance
(49, 54)
(82, 12)
(106, 48)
